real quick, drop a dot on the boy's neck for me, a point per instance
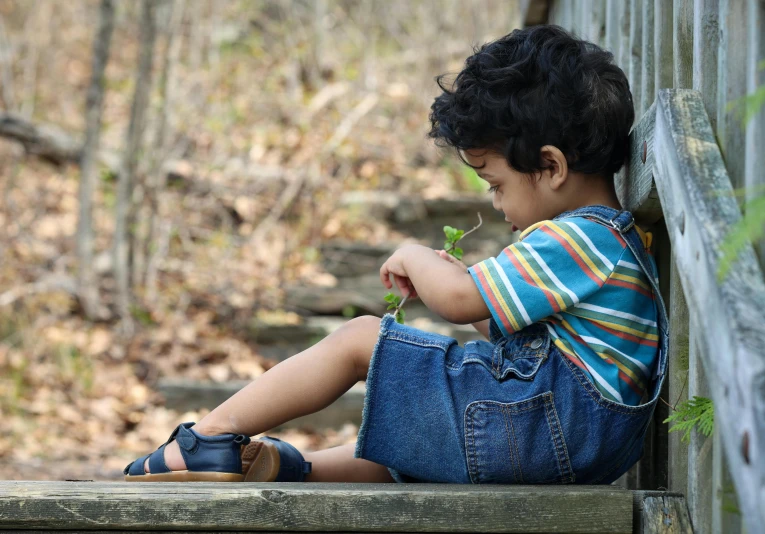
(594, 192)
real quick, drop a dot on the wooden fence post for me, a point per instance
(647, 84)
(635, 56)
(755, 131)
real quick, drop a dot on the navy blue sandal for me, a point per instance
(208, 459)
(272, 460)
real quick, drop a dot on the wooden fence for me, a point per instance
(717, 347)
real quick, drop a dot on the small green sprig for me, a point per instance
(453, 235)
(394, 301)
(696, 411)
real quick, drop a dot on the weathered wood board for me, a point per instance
(634, 183)
(314, 507)
(725, 315)
(665, 515)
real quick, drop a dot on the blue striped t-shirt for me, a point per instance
(580, 279)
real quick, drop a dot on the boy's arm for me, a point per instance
(444, 287)
(483, 328)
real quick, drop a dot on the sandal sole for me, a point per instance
(260, 462)
(186, 476)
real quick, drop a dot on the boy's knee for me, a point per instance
(362, 332)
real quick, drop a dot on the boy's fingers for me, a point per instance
(384, 277)
(413, 291)
(402, 284)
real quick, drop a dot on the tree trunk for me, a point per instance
(6, 72)
(125, 213)
(87, 284)
(156, 179)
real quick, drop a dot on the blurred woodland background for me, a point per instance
(168, 167)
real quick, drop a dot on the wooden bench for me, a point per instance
(213, 507)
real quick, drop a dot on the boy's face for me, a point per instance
(518, 195)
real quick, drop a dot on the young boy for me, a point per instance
(564, 388)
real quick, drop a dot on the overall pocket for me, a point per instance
(516, 443)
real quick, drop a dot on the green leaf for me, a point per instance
(391, 298)
(698, 411)
(747, 107)
(459, 235)
(749, 229)
(457, 253)
(400, 316)
(392, 306)
(450, 232)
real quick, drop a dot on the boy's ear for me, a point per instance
(555, 165)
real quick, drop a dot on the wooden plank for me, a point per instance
(662, 44)
(725, 515)
(679, 346)
(665, 515)
(576, 16)
(624, 36)
(731, 85)
(699, 494)
(655, 474)
(555, 14)
(612, 28)
(329, 507)
(682, 43)
(636, 55)
(584, 12)
(634, 183)
(706, 41)
(566, 15)
(598, 29)
(726, 315)
(647, 75)
(755, 131)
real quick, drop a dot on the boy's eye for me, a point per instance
(493, 188)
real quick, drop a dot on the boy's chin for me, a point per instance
(513, 226)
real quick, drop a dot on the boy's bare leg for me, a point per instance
(338, 465)
(302, 384)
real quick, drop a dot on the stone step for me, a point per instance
(424, 219)
(355, 296)
(347, 259)
(191, 395)
(279, 342)
(336, 507)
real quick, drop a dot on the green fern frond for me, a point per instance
(749, 229)
(696, 411)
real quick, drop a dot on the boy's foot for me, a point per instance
(202, 458)
(272, 460)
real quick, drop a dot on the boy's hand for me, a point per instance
(445, 255)
(395, 266)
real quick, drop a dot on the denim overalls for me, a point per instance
(510, 411)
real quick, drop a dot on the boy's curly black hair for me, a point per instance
(534, 87)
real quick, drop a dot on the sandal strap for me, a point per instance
(293, 466)
(157, 461)
(136, 466)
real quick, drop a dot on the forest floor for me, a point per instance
(264, 132)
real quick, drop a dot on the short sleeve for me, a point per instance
(554, 266)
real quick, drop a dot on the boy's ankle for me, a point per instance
(209, 430)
